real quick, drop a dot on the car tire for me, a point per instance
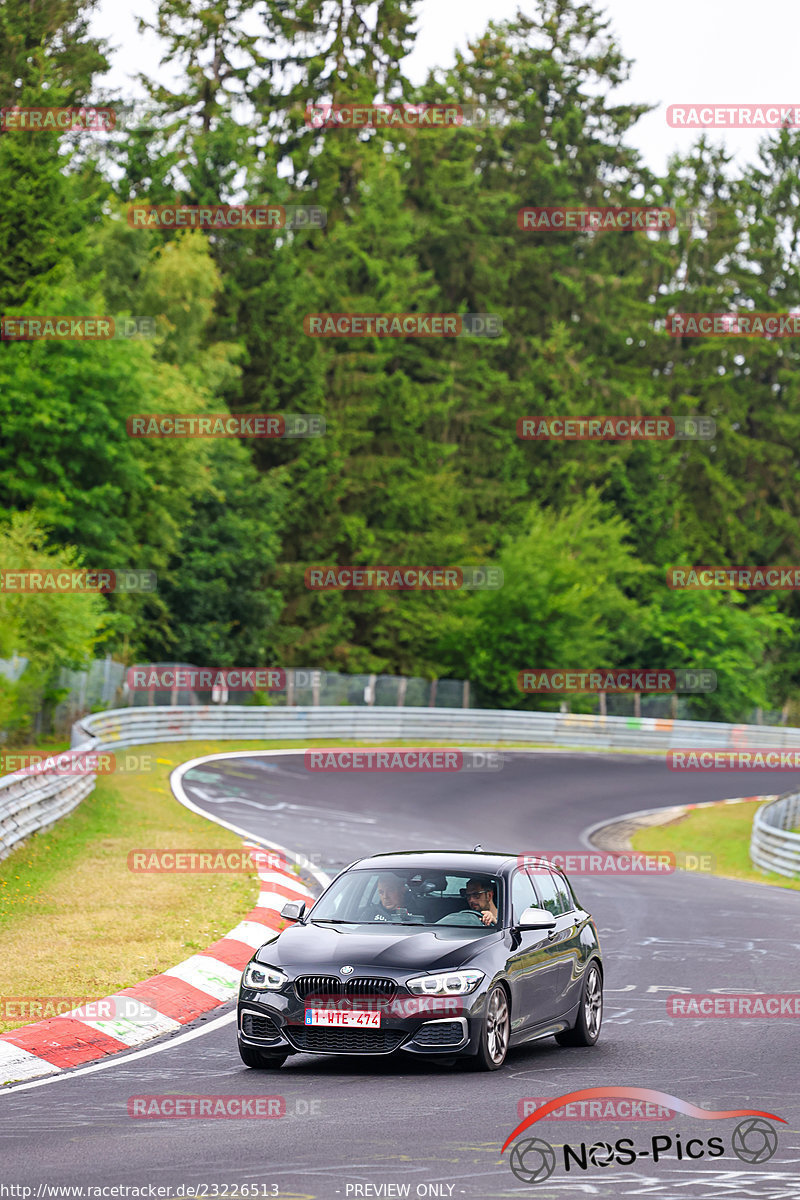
(260, 1059)
(495, 1032)
(586, 1029)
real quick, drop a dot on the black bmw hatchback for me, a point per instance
(436, 953)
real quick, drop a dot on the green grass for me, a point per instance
(722, 830)
(74, 921)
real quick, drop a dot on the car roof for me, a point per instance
(480, 861)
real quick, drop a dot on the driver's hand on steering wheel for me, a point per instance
(487, 918)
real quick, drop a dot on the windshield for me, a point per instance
(406, 897)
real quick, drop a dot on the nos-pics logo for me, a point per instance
(533, 1160)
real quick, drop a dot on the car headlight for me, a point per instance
(448, 983)
(263, 979)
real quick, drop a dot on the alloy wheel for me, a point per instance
(593, 1003)
(497, 1026)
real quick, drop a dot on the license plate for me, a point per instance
(361, 1018)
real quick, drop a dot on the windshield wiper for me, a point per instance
(332, 921)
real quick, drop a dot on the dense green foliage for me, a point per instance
(421, 463)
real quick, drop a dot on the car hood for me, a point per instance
(323, 949)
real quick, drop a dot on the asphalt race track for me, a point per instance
(353, 1127)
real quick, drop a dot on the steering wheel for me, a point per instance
(457, 918)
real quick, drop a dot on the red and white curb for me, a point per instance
(162, 1003)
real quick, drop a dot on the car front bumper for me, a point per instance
(451, 1025)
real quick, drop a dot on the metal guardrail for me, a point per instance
(773, 847)
(33, 802)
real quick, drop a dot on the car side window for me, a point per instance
(522, 894)
(565, 899)
(548, 894)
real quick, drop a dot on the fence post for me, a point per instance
(401, 691)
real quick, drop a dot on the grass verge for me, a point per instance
(722, 830)
(75, 922)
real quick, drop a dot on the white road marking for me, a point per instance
(122, 1060)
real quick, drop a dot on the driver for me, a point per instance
(393, 895)
(481, 896)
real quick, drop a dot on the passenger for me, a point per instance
(481, 895)
(394, 896)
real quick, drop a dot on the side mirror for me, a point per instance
(536, 918)
(293, 910)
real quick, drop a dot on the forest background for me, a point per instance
(420, 463)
